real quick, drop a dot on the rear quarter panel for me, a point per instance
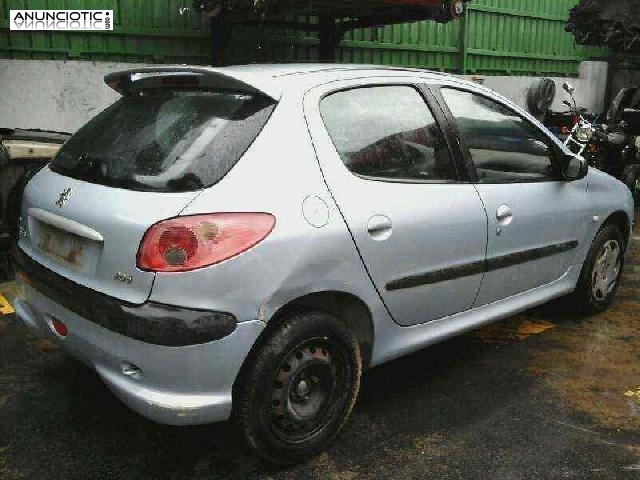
(280, 175)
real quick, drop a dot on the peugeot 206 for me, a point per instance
(241, 243)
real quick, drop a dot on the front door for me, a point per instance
(534, 216)
(421, 232)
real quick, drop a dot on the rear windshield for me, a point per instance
(165, 140)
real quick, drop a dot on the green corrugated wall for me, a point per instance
(146, 31)
(497, 36)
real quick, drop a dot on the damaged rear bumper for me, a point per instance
(174, 385)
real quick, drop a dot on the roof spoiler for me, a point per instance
(244, 81)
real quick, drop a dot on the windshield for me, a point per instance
(165, 140)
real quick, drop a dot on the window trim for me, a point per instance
(432, 106)
(466, 151)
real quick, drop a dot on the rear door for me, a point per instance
(535, 217)
(419, 226)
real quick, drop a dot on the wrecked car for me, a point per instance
(242, 243)
(22, 154)
(439, 10)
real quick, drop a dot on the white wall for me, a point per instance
(53, 95)
(62, 96)
(590, 86)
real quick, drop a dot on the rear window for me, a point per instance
(165, 140)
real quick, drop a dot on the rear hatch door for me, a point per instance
(91, 233)
(141, 161)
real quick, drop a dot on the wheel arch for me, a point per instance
(347, 307)
(621, 220)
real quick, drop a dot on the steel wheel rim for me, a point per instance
(304, 390)
(606, 270)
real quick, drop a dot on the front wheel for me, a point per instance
(299, 388)
(601, 273)
(631, 178)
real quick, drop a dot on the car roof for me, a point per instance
(281, 69)
(309, 75)
(274, 80)
(278, 71)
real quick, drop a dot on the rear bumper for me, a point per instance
(177, 385)
(150, 322)
(173, 385)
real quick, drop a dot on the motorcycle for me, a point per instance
(612, 146)
(615, 146)
(583, 131)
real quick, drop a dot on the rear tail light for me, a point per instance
(188, 243)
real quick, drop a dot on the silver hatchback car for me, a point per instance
(242, 242)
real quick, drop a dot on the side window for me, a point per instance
(387, 132)
(505, 148)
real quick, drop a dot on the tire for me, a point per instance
(631, 178)
(298, 388)
(595, 292)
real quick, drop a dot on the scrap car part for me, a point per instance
(334, 18)
(22, 154)
(613, 23)
(380, 12)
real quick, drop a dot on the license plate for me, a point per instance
(63, 247)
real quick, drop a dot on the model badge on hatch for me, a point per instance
(123, 277)
(64, 196)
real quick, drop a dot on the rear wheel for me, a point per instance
(601, 273)
(299, 388)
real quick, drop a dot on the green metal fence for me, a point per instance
(145, 31)
(497, 36)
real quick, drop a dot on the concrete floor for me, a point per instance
(538, 396)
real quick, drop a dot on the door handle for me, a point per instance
(504, 214)
(379, 227)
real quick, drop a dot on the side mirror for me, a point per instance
(574, 168)
(568, 88)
